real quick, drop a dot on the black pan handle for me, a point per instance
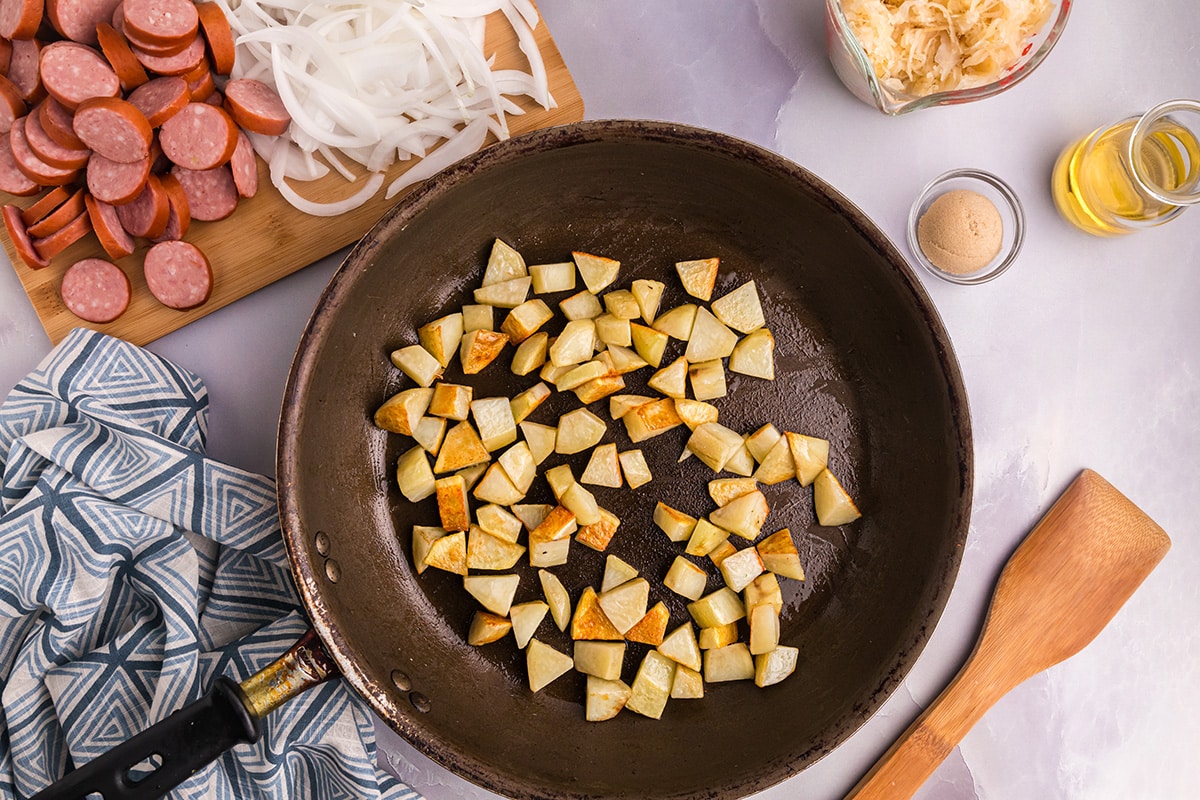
(197, 734)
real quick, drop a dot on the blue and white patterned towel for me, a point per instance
(133, 571)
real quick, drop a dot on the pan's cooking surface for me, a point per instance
(861, 359)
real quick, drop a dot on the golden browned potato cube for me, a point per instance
(480, 348)
(451, 401)
(597, 271)
(401, 413)
(589, 620)
(441, 337)
(524, 320)
(452, 503)
(651, 627)
(487, 627)
(698, 276)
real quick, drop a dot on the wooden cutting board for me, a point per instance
(266, 238)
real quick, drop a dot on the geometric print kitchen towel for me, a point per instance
(134, 571)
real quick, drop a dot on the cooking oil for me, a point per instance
(1107, 187)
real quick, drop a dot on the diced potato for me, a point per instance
(480, 348)
(675, 524)
(450, 401)
(577, 431)
(597, 271)
(452, 503)
(622, 304)
(754, 355)
(472, 474)
(540, 438)
(589, 620)
(494, 592)
(730, 663)
(551, 278)
(449, 553)
(809, 454)
(550, 373)
(740, 309)
(779, 555)
(413, 475)
(581, 374)
(686, 579)
(650, 420)
(834, 505)
(613, 330)
(487, 627)
(741, 568)
(441, 337)
(605, 699)
(763, 590)
(429, 434)
(698, 276)
(526, 617)
(580, 306)
(559, 524)
(485, 551)
(549, 553)
(545, 664)
(531, 354)
(707, 379)
(705, 536)
(518, 465)
(559, 479)
(649, 343)
(688, 684)
(770, 668)
(496, 487)
(624, 360)
(743, 515)
(741, 462)
(477, 318)
(499, 522)
(671, 380)
(652, 685)
(575, 344)
(648, 295)
(531, 514)
(681, 647)
(401, 413)
(762, 440)
(651, 627)
(722, 490)
(695, 413)
(527, 401)
(714, 444)
(524, 320)
(601, 659)
(634, 468)
(422, 539)
(599, 388)
(764, 629)
(494, 422)
(676, 323)
(717, 608)
(557, 597)
(718, 636)
(504, 264)
(616, 572)
(599, 534)
(622, 404)
(778, 465)
(416, 362)
(710, 338)
(506, 294)
(580, 501)
(603, 468)
(624, 605)
(721, 552)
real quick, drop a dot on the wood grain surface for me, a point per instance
(266, 238)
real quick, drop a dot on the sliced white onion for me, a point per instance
(381, 81)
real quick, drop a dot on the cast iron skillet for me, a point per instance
(861, 358)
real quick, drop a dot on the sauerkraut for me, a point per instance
(919, 47)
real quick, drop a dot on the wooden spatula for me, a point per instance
(1069, 577)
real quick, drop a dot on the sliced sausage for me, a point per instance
(160, 22)
(5, 54)
(244, 167)
(113, 237)
(77, 19)
(187, 59)
(218, 35)
(114, 128)
(23, 69)
(20, 238)
(159, 99)
(116, 49)
(95, 290)
(50, 246)
(59, 123)
(50, 151)
(20, 19)
(73, 72)
(211, 193)
(12, 105)
(116, 182)
(28, 162)
(202, 87)
(180, 218)
(147, 215)
(199, 137)
(256, 107)
(45, 204)
(13, 179)
(57, 219)
(178, 274)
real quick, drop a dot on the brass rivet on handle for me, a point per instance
(321, 540)
(401, 680)
(333, 571)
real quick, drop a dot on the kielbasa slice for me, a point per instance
(219, 36)
(28, 162)
(160, 22)
(13, 179)
(12, 105)
(211, 193)
(77, 19)
(20, 19)
(50, 246)
(116, 182)
(113, 237)
(178, 274)
(95, 290)
(50, 151)
(45, 204)
(180, 218)
(199, 137)
(159, 99)
(180, 63)
(73, 72)
(18, 235)
(115, 47)
(256, 107)
(59, 123)
(147, 215)
(59, 217)
(23, 69)
(244, 167)
(114, 128)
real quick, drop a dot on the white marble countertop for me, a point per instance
(1085, 354)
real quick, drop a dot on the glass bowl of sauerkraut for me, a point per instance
(902, 55)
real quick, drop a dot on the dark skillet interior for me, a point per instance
(861, 359)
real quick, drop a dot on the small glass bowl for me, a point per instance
(1012, 216)
(852, 66)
